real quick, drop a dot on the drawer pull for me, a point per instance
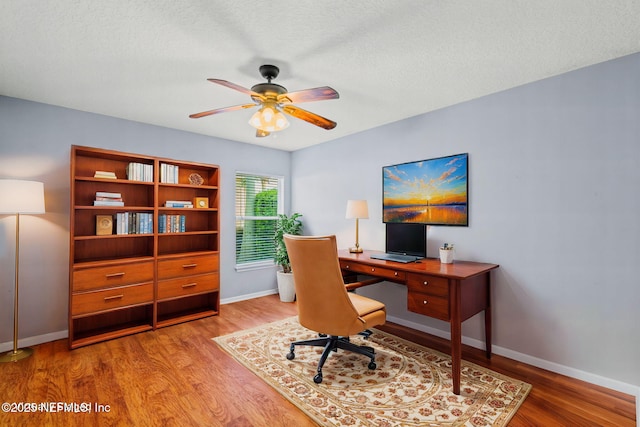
(395, 273)
(425, 283)
(425, 302)
(188, 285)
(112, 275)
(373, 269)
(347, 267)
(113, 297)
(189, 265)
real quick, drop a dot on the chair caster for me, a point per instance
(317, 379)
(372, 365)
(291, 356)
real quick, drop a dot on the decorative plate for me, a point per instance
(195, 179)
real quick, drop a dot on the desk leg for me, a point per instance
(487, 319)
(456, 335)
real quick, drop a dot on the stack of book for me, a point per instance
(178, 204)
(140, 172)
(172, 223)
(168, 173)
(104, 198)
(104, 174)
(134, 223)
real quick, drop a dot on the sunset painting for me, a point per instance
(430, 191)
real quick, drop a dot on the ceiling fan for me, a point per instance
(274, 100)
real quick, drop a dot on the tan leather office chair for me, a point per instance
(324, 305)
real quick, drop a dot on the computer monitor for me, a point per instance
(406, 239)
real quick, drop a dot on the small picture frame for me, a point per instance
(104, 225)
(201, 202)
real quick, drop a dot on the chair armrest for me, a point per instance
(356, 285)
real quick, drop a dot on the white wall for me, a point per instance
(35, 141)
(554, 179)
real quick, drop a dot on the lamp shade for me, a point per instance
(357, 209)
(21, 197)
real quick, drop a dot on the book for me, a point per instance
(178, 204)
(109, 195)
(104, 174)
(107, 203)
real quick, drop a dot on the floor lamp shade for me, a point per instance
(19, 197)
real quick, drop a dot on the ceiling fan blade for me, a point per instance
(221, 110)
(260, 133)
(307, 116)
(308, 95)
(236, 87)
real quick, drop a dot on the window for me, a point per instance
(258, 203)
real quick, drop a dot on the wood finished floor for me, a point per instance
(178, 376)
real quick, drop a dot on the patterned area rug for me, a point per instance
(411, 386)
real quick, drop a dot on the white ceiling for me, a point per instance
(148, 60)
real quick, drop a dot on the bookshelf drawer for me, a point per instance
(107, 277)
(175, 288)
(431, 285)
(373, 270)
(428, 305)
(109, 299)
(177, 267)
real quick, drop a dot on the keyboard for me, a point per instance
(395, 257)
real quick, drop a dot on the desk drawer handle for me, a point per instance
(425, 302)
(395, 273)
(113, 297)
(425, 283)
(188, 285)
(373, 269)
(189, 265)
(347, 267)
(109, 276)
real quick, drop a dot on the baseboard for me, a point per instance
(248, 296)
(609, 383)
(39, 339)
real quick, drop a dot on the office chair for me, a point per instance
(324, 305)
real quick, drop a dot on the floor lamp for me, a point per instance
(19, 197)
(357, 209)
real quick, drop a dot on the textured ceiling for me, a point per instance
(148, 60)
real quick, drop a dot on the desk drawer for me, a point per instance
(175, 288)
(117, 275)
(432, 285)
(109, 299)
(373, 270)
(177, 267)
(428, 305)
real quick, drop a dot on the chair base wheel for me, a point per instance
(317, 379)
(372, 365)
(291, 356)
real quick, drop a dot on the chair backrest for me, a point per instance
(323, 303)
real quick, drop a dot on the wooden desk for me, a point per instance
(450, 292)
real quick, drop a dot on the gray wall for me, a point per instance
(554, 172)
(35, 141)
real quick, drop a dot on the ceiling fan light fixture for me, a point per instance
(269, 119)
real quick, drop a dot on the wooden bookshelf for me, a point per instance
(140, 279)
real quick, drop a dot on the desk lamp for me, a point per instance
(357, 209)
(19, 197)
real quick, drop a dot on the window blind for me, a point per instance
(257, 207)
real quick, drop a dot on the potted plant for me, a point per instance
(285, 225)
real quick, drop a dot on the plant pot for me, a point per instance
(286, 286)
(446, 256)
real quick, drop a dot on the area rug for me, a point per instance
(411, 386)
